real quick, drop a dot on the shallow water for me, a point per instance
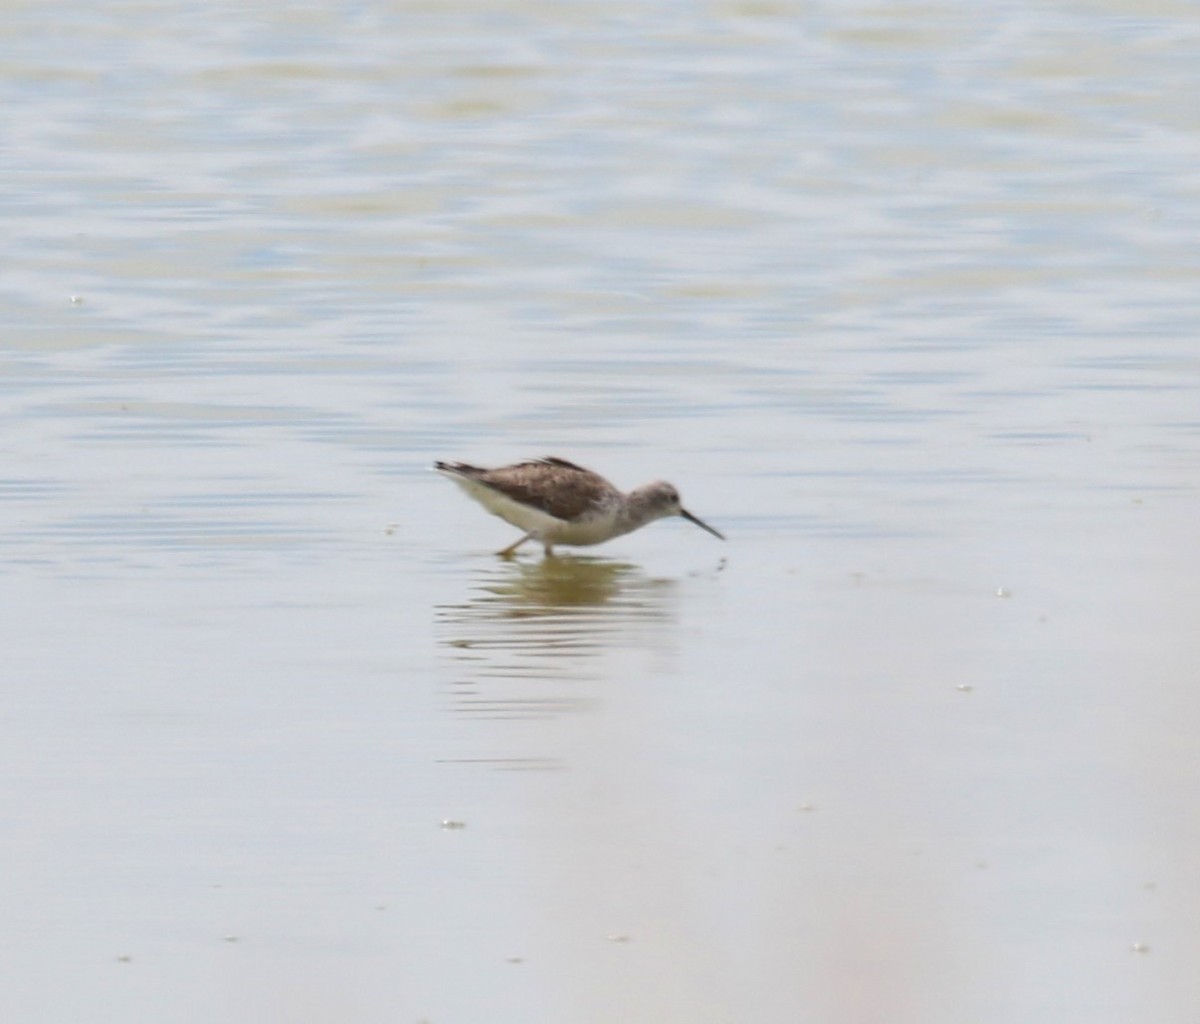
(903, 299)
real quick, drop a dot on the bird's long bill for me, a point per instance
(700, 523)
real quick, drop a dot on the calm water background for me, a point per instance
(906, 300)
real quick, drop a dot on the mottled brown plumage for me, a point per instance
(557, 502)
(566, 493)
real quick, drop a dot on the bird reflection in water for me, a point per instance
(532, 637)
(537, 588)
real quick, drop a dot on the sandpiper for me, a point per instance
(557, 502)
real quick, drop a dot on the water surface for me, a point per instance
(902, 298)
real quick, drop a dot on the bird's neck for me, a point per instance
(637, 510)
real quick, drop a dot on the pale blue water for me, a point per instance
(903, 299)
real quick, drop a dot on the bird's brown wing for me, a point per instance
(556, 486)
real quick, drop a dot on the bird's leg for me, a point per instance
(509, 551)
(549, 549)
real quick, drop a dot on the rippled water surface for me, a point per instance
(904, 300)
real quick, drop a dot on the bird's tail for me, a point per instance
(457, 469)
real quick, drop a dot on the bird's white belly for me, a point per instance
(545, 527)
(582, 532)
